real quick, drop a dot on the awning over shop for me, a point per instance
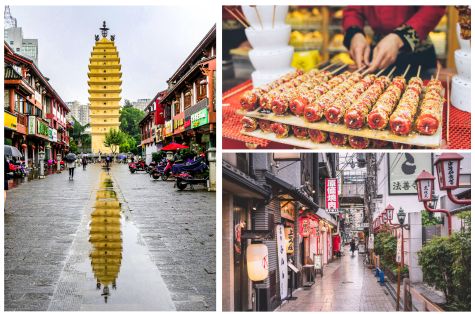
(241, 184)
(300, 196)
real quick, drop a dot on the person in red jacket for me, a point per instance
(400, 35)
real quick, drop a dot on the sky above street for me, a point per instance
(152, 41)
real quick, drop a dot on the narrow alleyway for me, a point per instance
(53, 260)
(347, 285)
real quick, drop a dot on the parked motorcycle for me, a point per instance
(18, 169)
(191, 174)
(137, 166)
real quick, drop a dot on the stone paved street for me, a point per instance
(346, 286)
(46, 224)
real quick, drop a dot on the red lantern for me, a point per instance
(448, 170)
(425, 186)
(24, 146)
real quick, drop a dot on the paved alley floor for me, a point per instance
(346, 285)
(167, 250)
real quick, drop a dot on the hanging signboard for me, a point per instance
(9, 120)
(403, 169)
(289, 240)
(168, 127)
(331, 195)
(317, 261)
(287, 210)
(282, 261)
(31, 125)
(371, 242)
(398, 248)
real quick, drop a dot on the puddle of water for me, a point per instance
(125, 278)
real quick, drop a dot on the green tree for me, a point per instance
(81, 142)
(129, 145)
(113, 139)
(446, 265)
(129, 121)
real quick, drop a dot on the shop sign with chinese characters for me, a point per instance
(399, 245)
(31, 125)
(289, 239)
(200, 118)
(403, 169)
(282, 260)
(331, 195)
(168, 127)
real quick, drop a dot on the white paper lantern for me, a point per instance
(257, 262)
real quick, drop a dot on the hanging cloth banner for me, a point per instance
(282, 261)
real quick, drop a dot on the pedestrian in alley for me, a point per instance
(352, 247)
(71, 165)
(84, 163)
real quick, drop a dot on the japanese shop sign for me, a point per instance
(287, 210)
(331, 195)
(399, 246)
(403, 169)
(282, 260)
(289, 239)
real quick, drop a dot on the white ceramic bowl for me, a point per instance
(265, 13)
(260, 78)
(276, 37)
(462, 62)
(272, 59)
(460, 94)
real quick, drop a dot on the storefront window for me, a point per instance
(177, 107)
(19, 103)
(188, 99)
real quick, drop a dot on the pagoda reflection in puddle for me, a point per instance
(105, 237)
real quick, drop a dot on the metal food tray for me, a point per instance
(414, 138)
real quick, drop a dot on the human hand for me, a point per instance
(385, 52)
(359, 50)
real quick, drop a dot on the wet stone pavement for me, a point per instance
(346, 285)
(71, 246)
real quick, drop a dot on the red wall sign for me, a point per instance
(331, 195)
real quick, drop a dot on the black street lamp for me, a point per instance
(401, 216)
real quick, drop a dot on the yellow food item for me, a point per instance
(338, 14)
(306, 60)
(342, 57)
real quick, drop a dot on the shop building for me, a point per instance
(274, 199)
(34, 114)
(147, 133)
(190, 102)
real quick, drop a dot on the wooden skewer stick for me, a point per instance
(438, 71)
(418, 71)
(407, 70)
(327, 67)
(258, 15)
(273, 16)
(338, 69)
(241, 15)
(365, 72)
(391, 72)
(381, 72)
(447, 127)
(360, 69)
(237, 18)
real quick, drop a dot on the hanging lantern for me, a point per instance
(384, 215)
(389, 212)
(257, 262)
(425, 186)
(448, 170)
(23, 146)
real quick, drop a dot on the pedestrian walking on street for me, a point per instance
(352, 247)
(71, 165)
(84, 163)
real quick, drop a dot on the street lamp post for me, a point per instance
(425, 194)
(401, 216)
(212, 168)
(41, 158)
(58, 164)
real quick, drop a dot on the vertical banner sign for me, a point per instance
(282, 260)
(371, 242)
(398, 249)
(331, 195)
